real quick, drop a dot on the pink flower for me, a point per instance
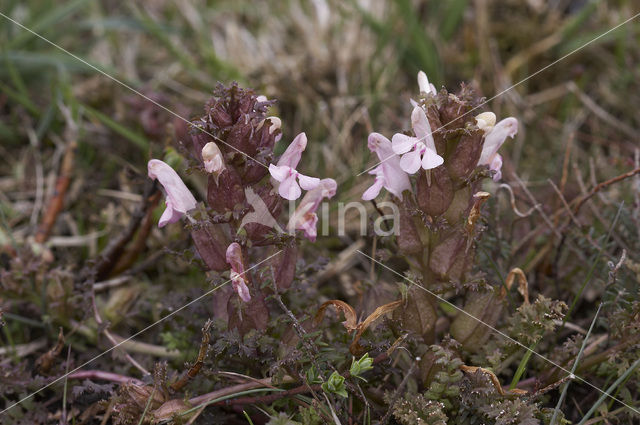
(234, 257)
(388, 174)
(178, 198)
(495, 137)
(305, 217)
(286, 174)
(419, 151)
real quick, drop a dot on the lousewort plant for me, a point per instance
(434, 174)
(233, 143)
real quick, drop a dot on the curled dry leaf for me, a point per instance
(351, 319)
(492, 376)
(523, 285)
(355, 348)
(45, 361)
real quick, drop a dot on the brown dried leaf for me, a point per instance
(523, 285)
(351, 322)
(44, 362)
(492, 376)
(383, 309)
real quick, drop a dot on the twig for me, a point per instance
(202, 354)
(56, 202)
(603, 185)
(112, 253)
(104, 376)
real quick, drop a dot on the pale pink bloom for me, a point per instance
(305, 217)
(508, 127)
(388, 173)
(425, 85)
(238, 280)
(178, 198)
(212, 157)
(419, 151)
(286, 174)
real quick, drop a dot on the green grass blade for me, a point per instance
(609, 390)
(574, 367)
(522, 366)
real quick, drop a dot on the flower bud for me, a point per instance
(212, 158)
(485, 121)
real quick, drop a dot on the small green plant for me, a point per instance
(358, 367)
(335, 385)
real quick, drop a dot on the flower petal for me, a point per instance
(289, 188)
(309, 226)
(410, 162)
(401, 143)
(508, 127)
(293, 153)
(380, 145)
(240, 286)
(169, 216)
(279, 172)
(425, 85)
(496, 165)
(422, 128)
(430, 159)
(396, 180)
(234, 257)
(308, 183)
(178, 196)
(423, 82)
(374, 190)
